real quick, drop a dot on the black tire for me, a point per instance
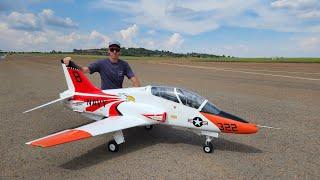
(148, 127)
(208, 148)
(113, 146)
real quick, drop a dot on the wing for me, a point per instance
(107, 125)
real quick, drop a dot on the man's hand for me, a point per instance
(66, 60)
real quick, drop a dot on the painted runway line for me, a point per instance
(264, 70)
(240, 71)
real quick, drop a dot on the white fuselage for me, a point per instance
(141, 102)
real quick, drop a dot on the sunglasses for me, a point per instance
(114, 49)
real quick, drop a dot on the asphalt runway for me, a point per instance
(273, 94)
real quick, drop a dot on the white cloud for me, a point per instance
(171, 43)
(310, 43)
(195, 17)
(68, 38)
(175, 41)
(303, 9)
(294, 4)
(99, 39)
(13, 39)
(36, 32)
(23, 21)
(129, 33)
(36, 22)
(76, 40)
(161, 14)
(310, 15)
(35, 39)
(47, 40)
(47, 16)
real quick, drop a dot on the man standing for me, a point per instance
(112, 70)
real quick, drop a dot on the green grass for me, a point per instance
(220, 59)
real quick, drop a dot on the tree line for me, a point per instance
(137, 52)
(142, 52)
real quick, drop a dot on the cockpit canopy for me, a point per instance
(186, 97)
(189, 98)
(165, 92)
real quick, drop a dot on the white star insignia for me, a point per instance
(197, 122)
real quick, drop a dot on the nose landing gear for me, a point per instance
(208, 147)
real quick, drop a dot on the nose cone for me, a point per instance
(243, 126)
(248, 129)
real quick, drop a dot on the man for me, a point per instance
(112, 70)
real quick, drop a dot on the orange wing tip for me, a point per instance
(60, 138)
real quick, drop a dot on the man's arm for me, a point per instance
(129, 73)
(67, 60)
(135, 81)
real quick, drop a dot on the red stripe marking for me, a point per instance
(162, 116)
(99, 105)
(113, 111)
(86, 98)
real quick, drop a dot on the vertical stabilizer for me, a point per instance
(68, 78)
(77, 81)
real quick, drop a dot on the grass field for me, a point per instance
(220, 59)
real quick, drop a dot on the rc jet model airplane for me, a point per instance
(118, 109)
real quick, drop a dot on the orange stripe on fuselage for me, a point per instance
(64, 137)
(231, 126)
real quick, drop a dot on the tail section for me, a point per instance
(77, 81)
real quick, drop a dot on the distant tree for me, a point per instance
(142, 52)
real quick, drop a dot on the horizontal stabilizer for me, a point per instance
(43, 105)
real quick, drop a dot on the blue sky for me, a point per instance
(251, 28)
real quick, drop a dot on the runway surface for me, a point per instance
(281, 95)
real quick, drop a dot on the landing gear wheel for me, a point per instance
(113, 146)
(148, 127)
(208, 147)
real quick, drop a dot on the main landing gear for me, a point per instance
(148, 127)
(208, 147)
(113, 145)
